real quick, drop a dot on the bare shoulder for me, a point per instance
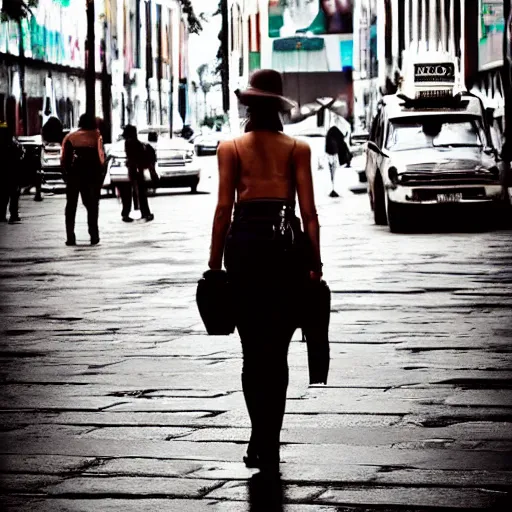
(226, 147)
(302, 148)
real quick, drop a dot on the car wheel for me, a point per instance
(397, 220)
(379, 202)
(193, 187)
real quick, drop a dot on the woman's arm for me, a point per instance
(304, 180)
(227, 162)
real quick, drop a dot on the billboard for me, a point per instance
(491, 33)
(316, 17)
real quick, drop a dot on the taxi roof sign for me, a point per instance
(430, 75)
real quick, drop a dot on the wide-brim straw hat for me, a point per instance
(265, 85)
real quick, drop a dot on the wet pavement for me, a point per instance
(114, 398)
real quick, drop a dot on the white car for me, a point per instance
(206, 144)
(176, 166)
(430, 153)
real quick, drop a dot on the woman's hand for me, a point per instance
(214, 265)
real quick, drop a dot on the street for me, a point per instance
(115, 399)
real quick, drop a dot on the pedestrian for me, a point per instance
(337, 153)
(82, 161)
(136, 188)
(263, 171)
(12, 156)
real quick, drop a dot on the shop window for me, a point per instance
(11, 115)
(62, 111)
(34, 108)
(70, 114)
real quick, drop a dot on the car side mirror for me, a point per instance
(489, 150)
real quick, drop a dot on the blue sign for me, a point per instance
(347, 54)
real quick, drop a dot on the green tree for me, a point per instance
(194, 24)
(17, 11)
(223, 52)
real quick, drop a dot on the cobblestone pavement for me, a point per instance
(114, 399)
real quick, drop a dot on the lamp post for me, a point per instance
(90, 62)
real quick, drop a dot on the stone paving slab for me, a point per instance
(119, 486)
(462, 499)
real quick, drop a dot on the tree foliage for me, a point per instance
(223, 53)
(16, 10)
(194, 24)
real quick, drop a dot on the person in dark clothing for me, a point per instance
(83, 160)
(337, 153)
(265, 169)
(12, 155)
(52, 130)
(136, 161)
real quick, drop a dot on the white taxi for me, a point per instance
(432, 149)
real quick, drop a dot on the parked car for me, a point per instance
(176, 165)
(430, 152)
(206, 144)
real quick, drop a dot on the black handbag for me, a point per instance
(315, 318)
(215, 303)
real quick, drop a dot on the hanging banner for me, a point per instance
(286, 18)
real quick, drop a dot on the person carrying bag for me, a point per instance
(270, 263)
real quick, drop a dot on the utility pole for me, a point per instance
(90, 62)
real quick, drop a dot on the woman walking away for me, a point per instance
(265, 169)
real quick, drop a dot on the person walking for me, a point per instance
(12, 155)
(264, 170)
(82, 161)
(136, 188)
(337, 153)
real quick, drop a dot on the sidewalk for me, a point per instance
(115, 399)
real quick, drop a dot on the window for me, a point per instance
(434, 131)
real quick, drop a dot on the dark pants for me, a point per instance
(9, 196)
(126, 191)
(266, 323)
(143, 195)
(89, 190)
(267, 294)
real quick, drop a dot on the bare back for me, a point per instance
(265, 166)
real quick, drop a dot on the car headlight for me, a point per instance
(393, 175)
(189, 154)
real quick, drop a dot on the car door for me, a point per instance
(371, 152)
(380, 138)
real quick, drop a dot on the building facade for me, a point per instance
(472, 30)
(311, 42)
(141, 64)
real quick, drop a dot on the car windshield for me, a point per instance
(434, 131)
